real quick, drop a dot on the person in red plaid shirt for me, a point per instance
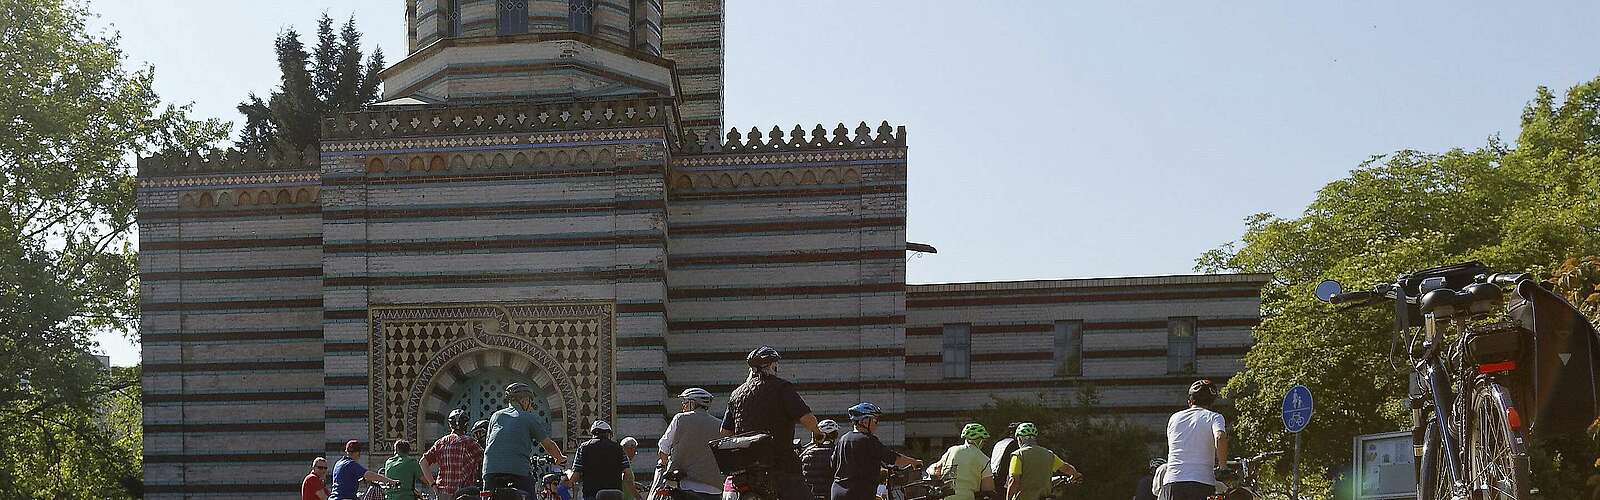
(458, 456)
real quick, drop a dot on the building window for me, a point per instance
(1069, 348)
(580, 13)
(1180, 346)
(452, 13)
(513, 17)
(957, 350)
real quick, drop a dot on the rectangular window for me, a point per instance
(957, 350)
(453, 17)
(580, 14)
(1180, 346)
(1069, 348)
(513, 17)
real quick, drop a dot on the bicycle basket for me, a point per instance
(742, 453)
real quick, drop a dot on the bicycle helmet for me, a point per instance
(828, 427)
(629, 442)
(864, 411)
(481, 426)
(1157, 462)
(552, 478)
(762, 356)
(1203, 386)
(458, 419)
(699, 396)
(1026, 429)
(599, 426)
(974, 432)
(518, 388)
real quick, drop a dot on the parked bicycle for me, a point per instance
(1486, 380)
(1241, 477)
(910, 483)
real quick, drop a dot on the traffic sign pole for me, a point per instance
(1297, 410)
(1295, 492)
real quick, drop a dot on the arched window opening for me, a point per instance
(580, 13)
(513, 17)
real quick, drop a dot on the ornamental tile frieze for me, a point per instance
(411, 347)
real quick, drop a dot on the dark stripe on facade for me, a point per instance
(225, 488)
(160, 215)
(701, 293)
(208, 428)
(690, 357)
(651, 170)
(641, 342)
(347, 381)
(734, 324)
(789, 192)
(641, 307)
(682, 20)
(233, 274)
(344, 314)
(470, 279)
(785, 226)
(345, 414)
(237, 336)
(805, 387)
(786, 258)
(344, 347)
(233, 366)
(990, 385)
(641, 375)
(232, 397)
(231, 244)
(648, 410)
(212, 460)
(1067, 299)
(1097, 354)
(563, 208)
(496, 244)
(232, 305)
(929, 331)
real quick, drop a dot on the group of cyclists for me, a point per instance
(495, 454)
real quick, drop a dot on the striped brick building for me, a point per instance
(546, 196)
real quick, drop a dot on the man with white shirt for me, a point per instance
(1197, 442)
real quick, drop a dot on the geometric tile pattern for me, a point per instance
(410, 346)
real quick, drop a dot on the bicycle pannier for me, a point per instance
(737, 454)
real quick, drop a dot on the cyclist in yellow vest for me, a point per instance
(1032, 466)
(966, 464)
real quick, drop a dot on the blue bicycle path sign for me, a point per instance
(1296, 408)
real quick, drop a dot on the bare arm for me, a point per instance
(627, 482)
(374, 477)
(551, 448)
(1069, 470)
(810, 422)
(661, 459)
(1013, 490)
(322, 495)
(1222, 449)
(987, 484)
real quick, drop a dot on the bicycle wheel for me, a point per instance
(1497, 467)
(1433, 480)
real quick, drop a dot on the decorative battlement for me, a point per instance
(436, 120)
(228, 161)
(797, 140)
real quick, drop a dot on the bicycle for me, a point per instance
(1241, 477)
(1058, 487)
(905, 483)
(1465, 422)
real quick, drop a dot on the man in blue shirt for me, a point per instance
(348, 473)
(859, 457)
(512, 432)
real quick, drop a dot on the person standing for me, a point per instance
(1197, 442)
(1033, 466)
(630, 449)
(682, 446)
(816, 460)
(966, 464)
(457, 456)
(405, 470)
(313, 487)
(512, 433)
(601, 464)
(1000, 457)
(766, 403)
(348, 473)
(1146, 486)
(859, 457)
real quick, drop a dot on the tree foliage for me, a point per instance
(332, 77)
(73, 118)
(1111, 452)
(1531, 206)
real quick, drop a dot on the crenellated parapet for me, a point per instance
(418, 121)
(776, 140)
(227, 161)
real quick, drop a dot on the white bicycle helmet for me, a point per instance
(699, 396)
(828, 426)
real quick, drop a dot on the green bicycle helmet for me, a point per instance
(974, 432)
(1027, 429)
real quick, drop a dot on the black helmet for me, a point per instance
(762, 356)
(518, 388)
(552, 478)
(1203, 386)
(480, 426)
(458, 419)
(1157, 462)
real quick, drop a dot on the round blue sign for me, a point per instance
(1296, 408)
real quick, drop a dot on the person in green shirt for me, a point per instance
(966, 465)
(405, 469)
(1032, 466)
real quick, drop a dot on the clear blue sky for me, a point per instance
(1048, 139)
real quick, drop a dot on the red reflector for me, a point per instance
(1513, 418)
(1504, 366)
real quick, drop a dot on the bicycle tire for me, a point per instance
(1497, 465)
(1433, 481)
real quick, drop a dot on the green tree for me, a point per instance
(1527, 207)
(74, 116)
(1111, 452)
(330, 78)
